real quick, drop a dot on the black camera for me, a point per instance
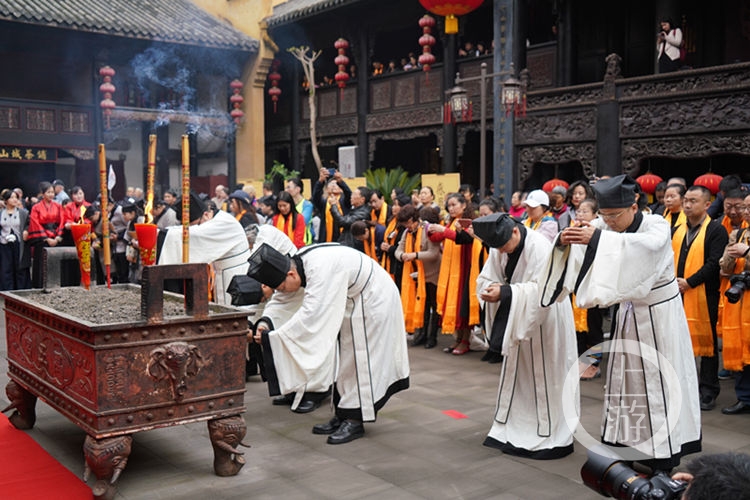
(737, 286)
(611, 477)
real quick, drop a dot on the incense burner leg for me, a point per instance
(226, 435)
(106, 458)
(24, 405)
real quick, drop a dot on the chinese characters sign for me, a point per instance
(27, 154)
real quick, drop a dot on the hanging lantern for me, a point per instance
(551, 184)
(458, 107)
(236, 99)
(274, 77)
(107, 89)
(511, 95)
(342, 62)
(426, 22)
(709, 181)
(648, 182)
(450, 9)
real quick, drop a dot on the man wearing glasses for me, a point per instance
(625, 258)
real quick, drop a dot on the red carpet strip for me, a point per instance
(27, 472)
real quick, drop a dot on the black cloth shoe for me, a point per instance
(708, 403)
(329, 427)
(282, 401)
(348, 431)
(306, 406)
(430, 342)
(736, 408)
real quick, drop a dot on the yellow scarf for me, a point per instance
(390, 238)
(724, 284)
(681, 219)
(329, 220)
(413, 294)
(380, 219)
(694, 299)
(284, 224)
(369, 244)
(239, 215)
(449, 284)
(736, 347)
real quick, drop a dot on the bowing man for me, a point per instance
(539, 344)
(350, 307)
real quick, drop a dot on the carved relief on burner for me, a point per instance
(42, 353)
(175, 362)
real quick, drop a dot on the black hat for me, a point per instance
(245, 291)
(58, 182)
(197, 207)
(615, 192)
(494, 229)
(269, 266)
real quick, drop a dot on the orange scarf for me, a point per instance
(380, 219)
(449, 284)
(736, 327)
(284, 224)
(369, 244)
(724, 285)
(239, 215)
(694, 299)
(681, 219)
(390, 238)
(580, 316)
(413, 294)
(329, 221)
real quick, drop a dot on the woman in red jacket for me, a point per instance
(45, 229)
(288, 220)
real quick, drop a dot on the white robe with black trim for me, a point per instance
(636, 271)
(539, 345)
(351, 309)
(220, 241)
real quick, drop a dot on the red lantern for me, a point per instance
(274, 77)
(450, 9)
(648, 182)
(342, 62)
(709, 181)
(107, 89)
(552, 184)
(426, 22)
(236, 99)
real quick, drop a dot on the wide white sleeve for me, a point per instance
(303, 344)
(625, 266)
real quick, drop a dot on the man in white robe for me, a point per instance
(277, 311)
(350, 307)
(216, 239)
(539, 344)
(625, 258)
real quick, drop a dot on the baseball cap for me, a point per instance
(536, 198)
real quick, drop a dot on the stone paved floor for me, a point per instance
(413, 451)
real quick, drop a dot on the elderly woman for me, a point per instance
(14, 257)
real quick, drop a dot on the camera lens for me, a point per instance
(734, 293)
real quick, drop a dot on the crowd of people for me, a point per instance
(529, 283)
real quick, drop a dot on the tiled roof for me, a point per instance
(172, 21)
(296, 9)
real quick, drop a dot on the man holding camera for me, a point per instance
(697, 247)
(625, 258)
(736, 315)
(329, 191)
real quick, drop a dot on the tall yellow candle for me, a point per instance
(150, 173)
(185, 199)
(105, 211)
